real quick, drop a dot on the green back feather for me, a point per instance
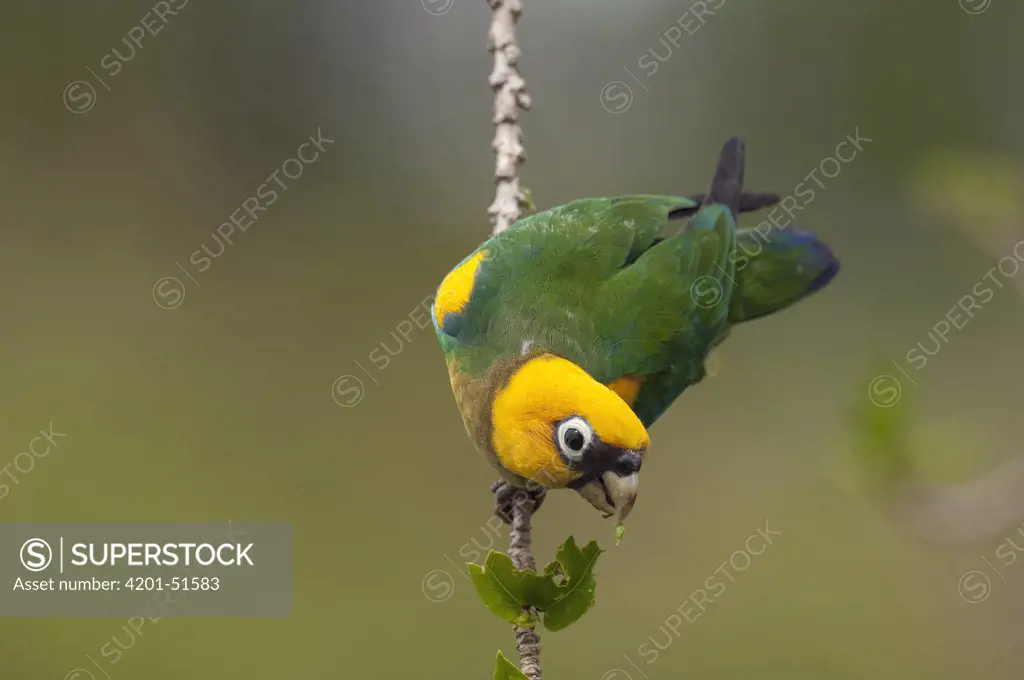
(592, 281)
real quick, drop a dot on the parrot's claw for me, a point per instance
(507, 496)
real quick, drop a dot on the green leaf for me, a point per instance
(881, 424)
(506, 670)
(891, 450)
(576, 592)
(524, 584)
(508, 592)
(620, 531)
(526, 201)
(501, 594)
(563, 593)
(540, 592)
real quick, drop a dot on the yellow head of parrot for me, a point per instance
(553, 424)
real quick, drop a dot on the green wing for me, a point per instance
(595, 282)
(592, 282)
(675, 301)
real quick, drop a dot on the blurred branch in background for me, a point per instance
(891, 458)
(981, 197)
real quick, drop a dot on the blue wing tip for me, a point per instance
(830, 272)
(819, 256)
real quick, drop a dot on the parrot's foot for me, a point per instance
(506, 497)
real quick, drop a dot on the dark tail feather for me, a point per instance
(749, 202)
(727, 184)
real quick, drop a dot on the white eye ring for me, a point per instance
(574, 437)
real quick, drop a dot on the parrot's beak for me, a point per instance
(622, 491)
(613, 491)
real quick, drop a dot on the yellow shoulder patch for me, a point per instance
(455, 290)
(627, 387)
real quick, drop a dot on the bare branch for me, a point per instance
(509, 96)
(976, 510)
(527, 640)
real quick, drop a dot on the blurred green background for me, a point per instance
(224, 407)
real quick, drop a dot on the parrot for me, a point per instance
(569, 334)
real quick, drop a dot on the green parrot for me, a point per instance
(569, 334)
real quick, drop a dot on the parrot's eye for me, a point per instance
(574, 436)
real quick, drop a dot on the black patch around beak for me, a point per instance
(601, 458)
